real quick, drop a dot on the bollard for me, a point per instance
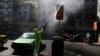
(57, 46)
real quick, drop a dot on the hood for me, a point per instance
(22, 40)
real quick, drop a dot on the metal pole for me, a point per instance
(59, 27)
(95, 35)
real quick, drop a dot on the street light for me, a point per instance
(95, 27)
(35, 3)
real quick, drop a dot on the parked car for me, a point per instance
(3, 39)
(25, 41)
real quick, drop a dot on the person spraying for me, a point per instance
(38, 33)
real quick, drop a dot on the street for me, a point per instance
(70, 49)
(8, 51)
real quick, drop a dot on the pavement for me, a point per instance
(70, 49)
(83, 49)
(8, 51)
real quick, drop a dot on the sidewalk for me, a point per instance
(83, 48)
(47, 51)
(74, 49)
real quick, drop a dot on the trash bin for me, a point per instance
(57, 46)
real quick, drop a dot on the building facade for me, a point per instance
(24, 15)
(14, 16)
(6, 10)
(6, 13)
(84, 18)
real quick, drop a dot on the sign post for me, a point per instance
(58, 42)
(60, 15)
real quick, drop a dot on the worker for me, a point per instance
(38, 33)
(88, 37)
